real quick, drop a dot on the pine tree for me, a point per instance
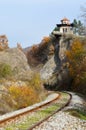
(79, 28)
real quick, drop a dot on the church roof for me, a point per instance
(60, 25)
(65, 19)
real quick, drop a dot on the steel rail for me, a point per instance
(13, 117)
(45, 119)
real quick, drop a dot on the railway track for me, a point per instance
(16, 115)
(11, 116)
(45, 119)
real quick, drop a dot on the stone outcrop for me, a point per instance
(21, 72)
(55, 72)
(17, 61)
(3, 42)
(48, 69)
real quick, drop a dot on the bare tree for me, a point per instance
(83, 15)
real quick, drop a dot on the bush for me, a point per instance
(36, 82)
(77, 59)
(28, 94)
(23, 95)
(5, 70)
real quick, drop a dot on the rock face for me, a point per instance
(48, 69)
(17, 61)
(55, 72)
(5, 106)
(53, 77)
(3, 42)
(21, 72)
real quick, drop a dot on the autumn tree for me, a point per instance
(38, 49)
(23, 95)
(38, 53)
(83, 15)
(34, 49)
(77, 65)
(28, 94)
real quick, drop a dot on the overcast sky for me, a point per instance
(28, 21)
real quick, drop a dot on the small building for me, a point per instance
(65, 26)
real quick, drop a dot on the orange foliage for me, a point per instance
(28, 94)
(75, 55)
(77, 59)
(38, 54)
(23, 95)
(34, 49)
(46, 39)
(76, 48)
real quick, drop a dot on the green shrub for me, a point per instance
(5, 70)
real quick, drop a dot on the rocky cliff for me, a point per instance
(16, 59)
(3, 42)
(55, 72)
